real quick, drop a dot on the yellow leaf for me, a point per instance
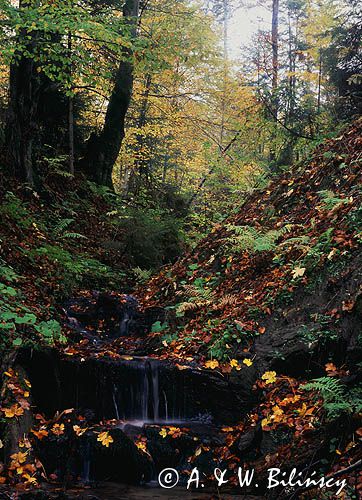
(269, 377)
(247, 362)
(265, 422)
(30, 479)
(212, 364)
(234, 363)
(13, 411)
(277, 410)
(298, 272)
(19, 458)
(198, 451)
(105, 439)
(58, 429)
(141, 445)
(78, 430)
(163, 433)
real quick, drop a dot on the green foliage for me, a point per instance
(159, 327)
(60, 230)
(252, 240)
(73, 269)
(57, 166)
(331, 201)
(18, 324)
(321, 332)
(232, 334)
(16, 210)
(152, 237)
(141, 275)
(320, 249)
(337, 400)
(44, 31)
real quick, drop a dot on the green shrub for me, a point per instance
(152, 237)
(18, 324)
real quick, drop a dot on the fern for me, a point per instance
(331, 201)
(297, 242)
(330, 389)
(62, 225)
(76, 236)
(336, 399)
(142, 275)
(196, 296)
(248, 238)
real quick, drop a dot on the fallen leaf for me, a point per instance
(212, 364)
(298, 272)
(79, 430)
(269, 377)
(105, 439)
(163, 433)
(13, 411)
(40, 434)
(58, 429)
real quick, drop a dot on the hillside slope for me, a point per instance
(289, 259)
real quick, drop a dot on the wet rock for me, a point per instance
(136, 389)
(74, 458)
(105, 315)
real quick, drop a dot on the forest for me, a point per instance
(180, 249)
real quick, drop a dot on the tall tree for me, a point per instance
(21, 122)
(275, 49)
(104, 147)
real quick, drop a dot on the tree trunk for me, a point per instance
(103, 148)
(21, 122)
(275, 74)
(275, 47)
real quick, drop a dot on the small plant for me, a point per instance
(14, 208)
(142, 275)
(18, 324)
(248, 238)
(60, 230)
(331, 201)
(337, 401)
(195, 295)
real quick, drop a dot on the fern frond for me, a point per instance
(62, 225)
(248, 238)
(75, 236)
(191, 306)
(228, 300)
(330, 389)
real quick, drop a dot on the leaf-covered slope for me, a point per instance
(304, 229)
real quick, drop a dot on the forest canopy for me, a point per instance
(145, 94)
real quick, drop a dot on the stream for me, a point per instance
(139, 395)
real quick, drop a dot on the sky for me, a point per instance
(243, 24)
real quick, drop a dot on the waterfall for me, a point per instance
(146, 391)
(115, 402)
(155, 393)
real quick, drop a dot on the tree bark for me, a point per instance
(103, 148)
(21, 121)
(275, 48)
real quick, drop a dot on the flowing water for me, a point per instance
(151, 394)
